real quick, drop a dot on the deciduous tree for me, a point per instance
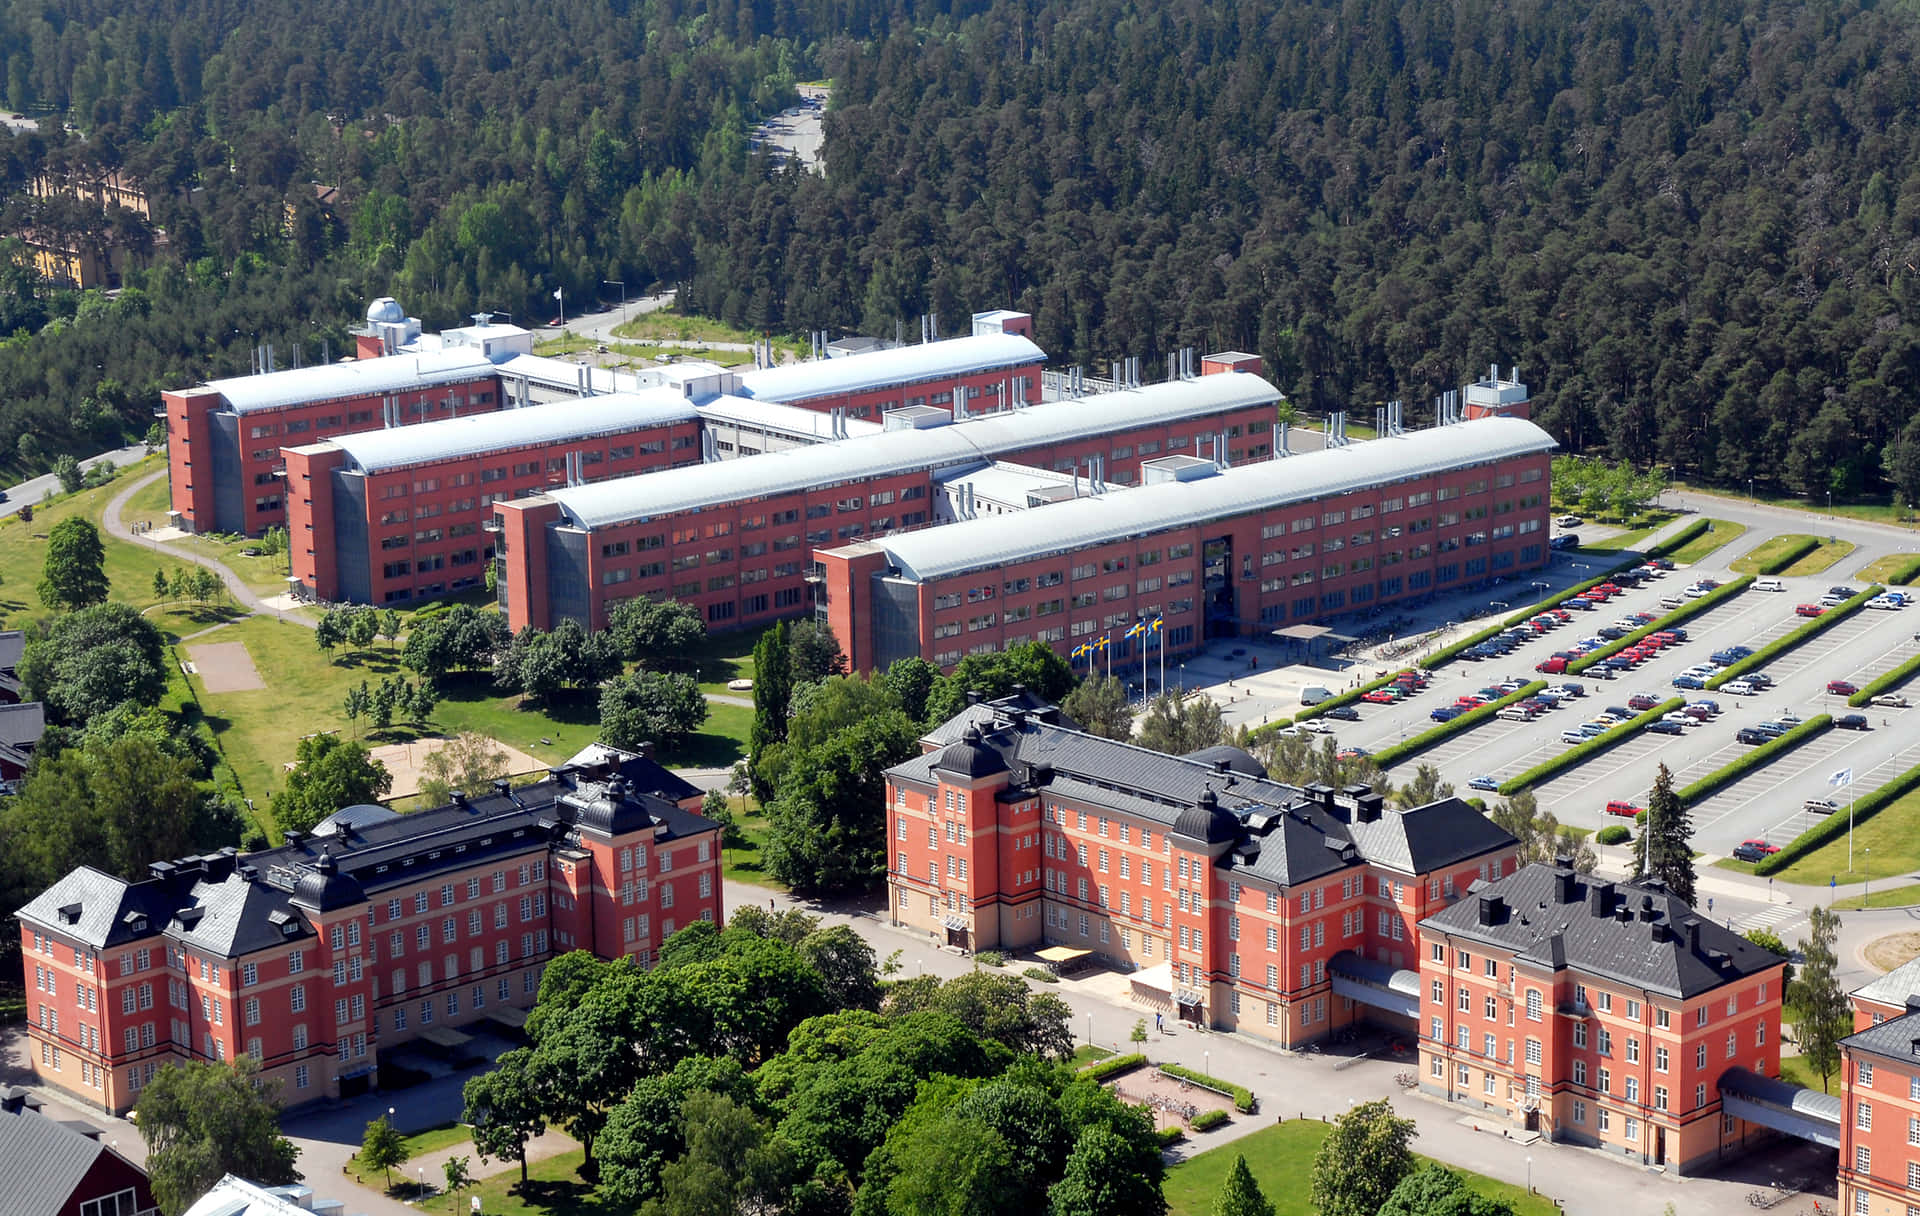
(1815, 1000)
(328, 773)
(202, 1121)
(1359, 1164)
(656, 707)
(657, 633)
(1101, 706)
(507, 1107)
(382, 1147)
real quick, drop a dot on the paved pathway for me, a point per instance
(31, 492)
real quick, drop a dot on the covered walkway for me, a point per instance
(1791, 1109)
(1394, 989)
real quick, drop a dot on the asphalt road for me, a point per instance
(32, 491)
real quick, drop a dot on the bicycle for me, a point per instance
(1406, 1080)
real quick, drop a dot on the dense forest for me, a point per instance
(1693, 226)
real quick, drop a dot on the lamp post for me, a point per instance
(1089, 1030)
(1529, 1174)
(1206, 1062)
(623, 294)
(1866, 867)
(1829, 504)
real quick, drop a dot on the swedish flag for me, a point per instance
(1154, 625)
(1081, 650)
(1103, 642)
(1139, 627)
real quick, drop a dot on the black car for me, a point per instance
(1566, 540)
(1610, 632)
(1750, 736)
(1851, 722)
(1343, 713)
(1748, 852)
(1759, 679)
(1578, 690)
(1665, 563)
(1577, 604)
(1663, 727)
(1842, 593)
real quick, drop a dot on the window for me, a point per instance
(1533, 1051)
(1533, 1004)
(1863, 1116)
(1865, 1075)
(1862, 1159)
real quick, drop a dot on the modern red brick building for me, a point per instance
(1239, 903)
(374, 930)
(736, 539)
(1210, 551)
(224, 437)
(989, 371)
(1598, 1013)
(396, 515)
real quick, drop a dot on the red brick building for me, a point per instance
(1877, 1116)
(1210, 551)
(1598, 1013)
(989, 371)
(372, 931)
(224, 437)
(736, 539)
(395, 515)
(1239, 903)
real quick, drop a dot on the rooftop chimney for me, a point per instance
(1563, 889)
(1366, 807)
(1491, 909)
(1600, 898)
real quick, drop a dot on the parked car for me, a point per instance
(1772, 730)
(1739, 688)
(1566, 540)
(1569, 521)
(1446, 713)
(1679, 718)
(1808, 610)
(1750, 851)
(1313, 696)
(1517, 713)
(1731, 655)
(1573, 736)
(1343, 713)
(1484, 782)
(1769, 584)
(1712, 707)
(1750, 736)
(1381, 696)
(1687, 681)
(1352, 753)
(1665, 563)
(1890, 700)
(1843, 592)
(1699, 713)
(1642, 700)
(1626, 810)
(1852, 722)
(1572, 690)
(1841, 688)
(1820, 806)
(1885, 604)
(1759, 679)
(1664, 727)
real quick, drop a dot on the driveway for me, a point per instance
(31, 491)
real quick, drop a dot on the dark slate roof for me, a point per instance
(349, 818)
(41, 1161)
(1896, 987)
(1896, 1038)
(643, 774)
(13, 645)
(1273, 832)
(985, 712)
(231, 905)
(1238, 759)
(1635, 933)
(22, 725)
(969, 758)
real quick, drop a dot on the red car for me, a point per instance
(1626, 810)
(1642, 700)
(1809, 610)
(1381, 696)
(1840, 688)
(1762, 846)
(1470, 702)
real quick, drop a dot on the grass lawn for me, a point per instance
(1281, 1158)
(673, 327)
(553, 1188)
(259, 736)
(1086, 1054)
(1885, 846)
(432, 1139)
(1882, 569)
(1892, 897)
(744, 862)
(1828, 552)
(723, 657)
(1719, 532)
(1879, 511)
(1794, 1071)
(23, 550)
(1639, 528)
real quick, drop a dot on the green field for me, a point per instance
(1882, 569)
(745, 862)
(1719, 532)
(1885, 846)
(1828, 552)
(1905, 896)
(1281, 1158)
(1638, 530)
(445, 1135)
(1879, 512)
(23, 549)
(677, 329)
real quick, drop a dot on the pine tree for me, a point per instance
(1240, 1194)
(1665, 841)
(772, 694)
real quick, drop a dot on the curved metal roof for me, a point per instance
(363, 378)
(819, 466)
(884, 368)
(996, 540)
(558, 422)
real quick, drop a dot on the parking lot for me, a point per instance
(1765, 804)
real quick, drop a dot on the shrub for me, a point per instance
(1685, 612)
(1617, 833)
(1042, 974)
(990, 958)
(1680, 539)
(1207, 1120)
(1789, 555)
(1807, 632)
(1728, 773)
(1904, 573)
(1170, 1136)
(1242, 1096)
(1581, 752)
(1884, 681)
(1112, 1066)
(1835, 826)
(1467, 721)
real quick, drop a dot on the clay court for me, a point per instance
(406, 761)
(225, 667)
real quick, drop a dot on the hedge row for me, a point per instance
(1680, 539)
(1791, 554)
(1885, 680)
(1387, 756)
(1581, 752)
(1781, 645)
(1835, 826)
(1241, 1095)
(1678, 616)
(1763, 754)
(1207, 1120)
(1345, 698)
(1112, 1066)
(1904, 573)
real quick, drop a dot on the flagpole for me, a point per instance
(1162, 631)
(1109, 649)
(1143, 661)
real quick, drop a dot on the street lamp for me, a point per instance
(1829, 504)
(1206, 1062)
(1867, 874)
(1749, 491)
(623, 294)
(1529, 1174)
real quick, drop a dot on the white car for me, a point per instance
(1678, 717)
(1319, 726)
(1696, 591)
(1703, 670)
(1740, 688)
(1884, 604)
